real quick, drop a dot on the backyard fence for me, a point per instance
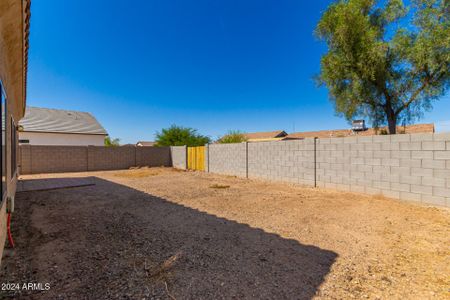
(413, 167)
(57, 159)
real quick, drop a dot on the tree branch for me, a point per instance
(428, 80)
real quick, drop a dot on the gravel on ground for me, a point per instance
(169, 234)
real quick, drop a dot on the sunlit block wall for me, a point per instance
(229, 159)
(414, 167)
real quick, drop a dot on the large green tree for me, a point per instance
(180, 136)
(385, 61)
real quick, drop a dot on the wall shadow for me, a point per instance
(113, 241)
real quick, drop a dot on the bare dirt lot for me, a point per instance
(162, 233)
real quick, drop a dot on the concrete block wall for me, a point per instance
(179, 157)
(59, 159)
(414, 167)
(228, 159)
(24, 159)
(43, 159)
(153, 157)
(111, 158)
(289, 161)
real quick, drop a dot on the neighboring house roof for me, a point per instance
(38, 119)
(260, 136)
(443, 126)
(144, 143)
(418, 128)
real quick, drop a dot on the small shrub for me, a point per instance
(384, 132)
(233, 136)
(109, 142)
(180, 136)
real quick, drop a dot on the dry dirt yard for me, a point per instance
(167, 234)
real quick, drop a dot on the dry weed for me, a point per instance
(219, 186)
(162, 271)
(137, 173)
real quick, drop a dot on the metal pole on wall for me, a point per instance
(186, 156)
(246, 159)
(87, 158)
(31, 159)
(315, 162)
(207, 157)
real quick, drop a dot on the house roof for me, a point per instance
(26, 46)
(443, 126)
(145, 143)
(265, 135)
(38, 119)
(417, 128)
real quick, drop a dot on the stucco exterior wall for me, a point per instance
(62, 139)
(14, 21)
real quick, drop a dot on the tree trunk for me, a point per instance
(392, 122)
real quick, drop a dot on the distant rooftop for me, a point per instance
(417, 128)
(39, 119)
(443, 126)
(265, 135)
(145, 143)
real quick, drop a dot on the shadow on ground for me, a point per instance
(111, 241)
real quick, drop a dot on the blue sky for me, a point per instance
(139, 66)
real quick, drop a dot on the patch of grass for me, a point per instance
(219, 186)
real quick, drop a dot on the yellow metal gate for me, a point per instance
(196, 158)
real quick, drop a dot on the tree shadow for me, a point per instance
(113, 241)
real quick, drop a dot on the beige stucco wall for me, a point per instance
(62, 139)
(14, 20)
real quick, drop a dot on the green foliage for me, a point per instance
(385, 62)
(383, 132)
(180, 136)
(233, 136)
(111, 142)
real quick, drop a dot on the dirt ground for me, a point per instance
(167, 234)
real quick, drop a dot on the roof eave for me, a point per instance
(63, 132)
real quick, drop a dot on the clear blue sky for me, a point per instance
(139, 66)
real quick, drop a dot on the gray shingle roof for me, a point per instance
(61, 121)
(145, 143)
(265, 135)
